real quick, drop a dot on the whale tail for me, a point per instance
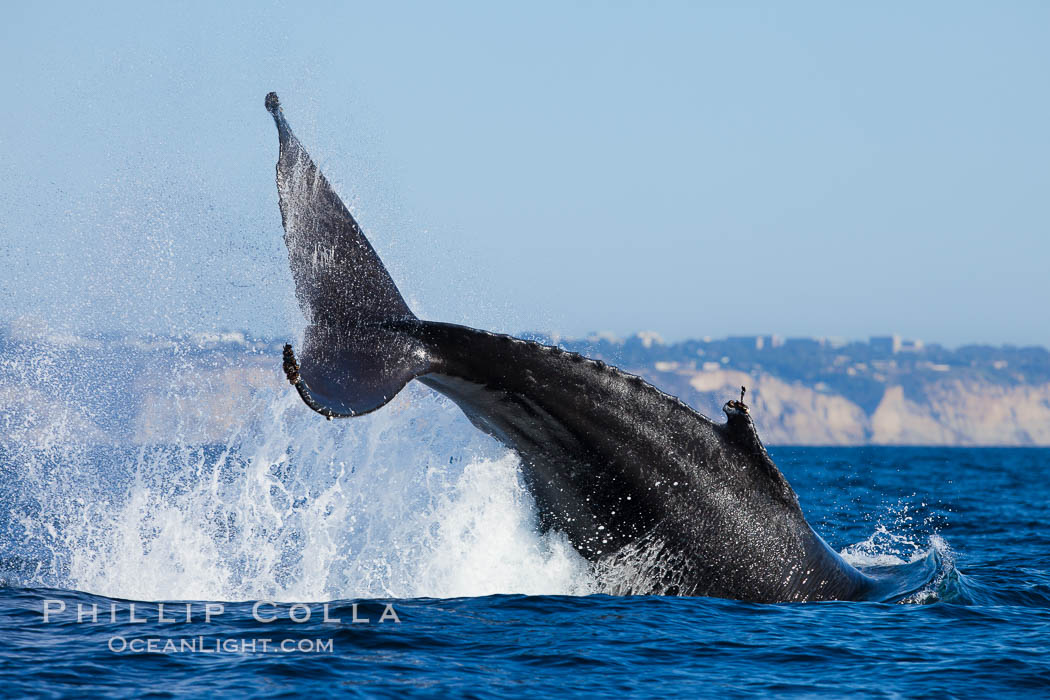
(353, 360)
(712, 514)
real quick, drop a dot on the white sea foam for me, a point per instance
(410, 501)
(901, 539)
(898, 538)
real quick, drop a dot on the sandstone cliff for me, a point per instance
(202, 390)
(945, 411)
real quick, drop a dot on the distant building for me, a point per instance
(755, 342)
(805, 344)
(885, 344)
(910, 346)
(746, 342)
(649, 338)
(893, 344)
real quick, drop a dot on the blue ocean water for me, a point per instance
(972, 521)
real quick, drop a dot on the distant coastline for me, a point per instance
(802, 391)
(884, 391)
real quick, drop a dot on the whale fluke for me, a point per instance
(350, 364)
(661, 499)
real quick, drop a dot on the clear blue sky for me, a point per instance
(692, 168)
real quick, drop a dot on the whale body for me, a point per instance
(661, 499)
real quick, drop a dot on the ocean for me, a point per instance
(398, 555)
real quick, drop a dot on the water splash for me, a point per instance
(411, 501)
(906, 551)
(202, 476)
(902, 534)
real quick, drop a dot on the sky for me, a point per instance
(697, 169)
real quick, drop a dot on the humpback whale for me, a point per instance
(661, 499)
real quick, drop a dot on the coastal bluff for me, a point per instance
(805, 391)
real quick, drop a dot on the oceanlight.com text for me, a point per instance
(218, 645)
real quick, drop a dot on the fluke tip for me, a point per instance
(272, 103)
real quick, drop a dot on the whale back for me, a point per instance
(662, 499)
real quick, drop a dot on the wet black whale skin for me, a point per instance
(659, 497)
